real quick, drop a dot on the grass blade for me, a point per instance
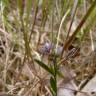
(44, 66)
(69, 41)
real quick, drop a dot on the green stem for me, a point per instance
(55, 73)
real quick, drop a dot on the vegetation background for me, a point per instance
(47, 47)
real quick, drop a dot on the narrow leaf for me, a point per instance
(44, 66)
(28, 9)
(20, 7)
(84, 19)
(53, 84)
(60, 74)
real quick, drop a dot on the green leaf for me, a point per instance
(84, 19)
(53, 94)
(52, 69)
(53, 84)
(58, 71)
(60, 74)
(44, 66)
(28, 9)
(20, 7)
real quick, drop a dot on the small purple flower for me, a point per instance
(45, 49)
(47, 46)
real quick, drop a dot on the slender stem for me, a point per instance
(69, 41)
(36, 10)
(55, 73)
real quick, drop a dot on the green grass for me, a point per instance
(27, 66)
